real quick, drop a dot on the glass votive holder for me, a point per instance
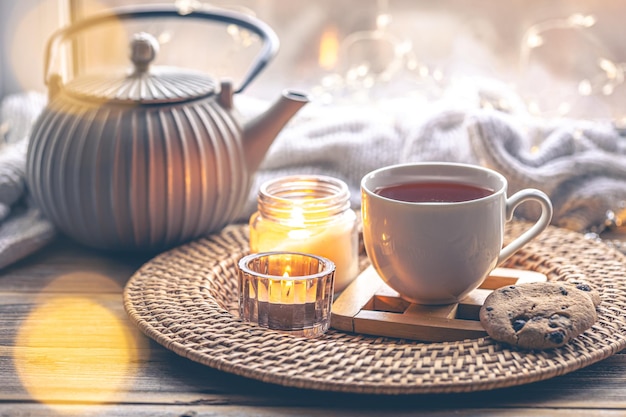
(308, 214)
(287, 291)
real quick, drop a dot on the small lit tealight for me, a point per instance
(287, 291)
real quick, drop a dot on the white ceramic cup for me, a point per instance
(438, 252)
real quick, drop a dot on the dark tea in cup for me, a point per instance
(433, 192)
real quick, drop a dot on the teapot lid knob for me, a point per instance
(143, 49)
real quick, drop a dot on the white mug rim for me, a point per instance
(494, 194)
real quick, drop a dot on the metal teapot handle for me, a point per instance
(267, 35)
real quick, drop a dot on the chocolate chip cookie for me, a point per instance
(588, 288)
(539, 315)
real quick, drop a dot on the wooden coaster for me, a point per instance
(370, 306)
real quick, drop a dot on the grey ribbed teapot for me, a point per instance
(153, 157)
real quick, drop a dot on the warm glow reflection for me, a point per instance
(187, 6)
(101, 48)
(25, 39)
(296, 217)
(73, 349)
(329, 48)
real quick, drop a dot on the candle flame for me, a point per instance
(299, 234)
(287, 283)
(296, 217)
(329, 48)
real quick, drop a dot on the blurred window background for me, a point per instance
(561, 57)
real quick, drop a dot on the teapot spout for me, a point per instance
(260, 132)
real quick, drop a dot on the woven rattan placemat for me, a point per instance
(186, 300)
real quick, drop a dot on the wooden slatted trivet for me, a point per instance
(370, 306)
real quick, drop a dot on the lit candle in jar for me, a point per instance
(287, 291)
(308, 214)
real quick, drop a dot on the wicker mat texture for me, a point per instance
(186, 300)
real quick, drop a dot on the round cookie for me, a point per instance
(587, 288)
(538, 315)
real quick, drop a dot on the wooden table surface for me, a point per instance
(68, 348)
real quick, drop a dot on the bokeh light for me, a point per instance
(25, 41)
(77, 349)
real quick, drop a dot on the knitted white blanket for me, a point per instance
(22, 228)
(581, 165)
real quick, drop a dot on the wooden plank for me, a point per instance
(354, 298)
(78, 264)
(469, 307)
(168, 379)
(369, 306)
(159, 372)
(500, 277)
(228, 410)
(447, 311)
(416, 327)
(158, 376)
(84, 314)
(158, 382)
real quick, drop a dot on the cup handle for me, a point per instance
(515, 200)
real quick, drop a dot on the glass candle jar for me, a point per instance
(287, 291)
(308, 214)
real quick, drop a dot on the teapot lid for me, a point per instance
(144, 84)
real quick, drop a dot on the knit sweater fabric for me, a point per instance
(579, 164)
(23, 229)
